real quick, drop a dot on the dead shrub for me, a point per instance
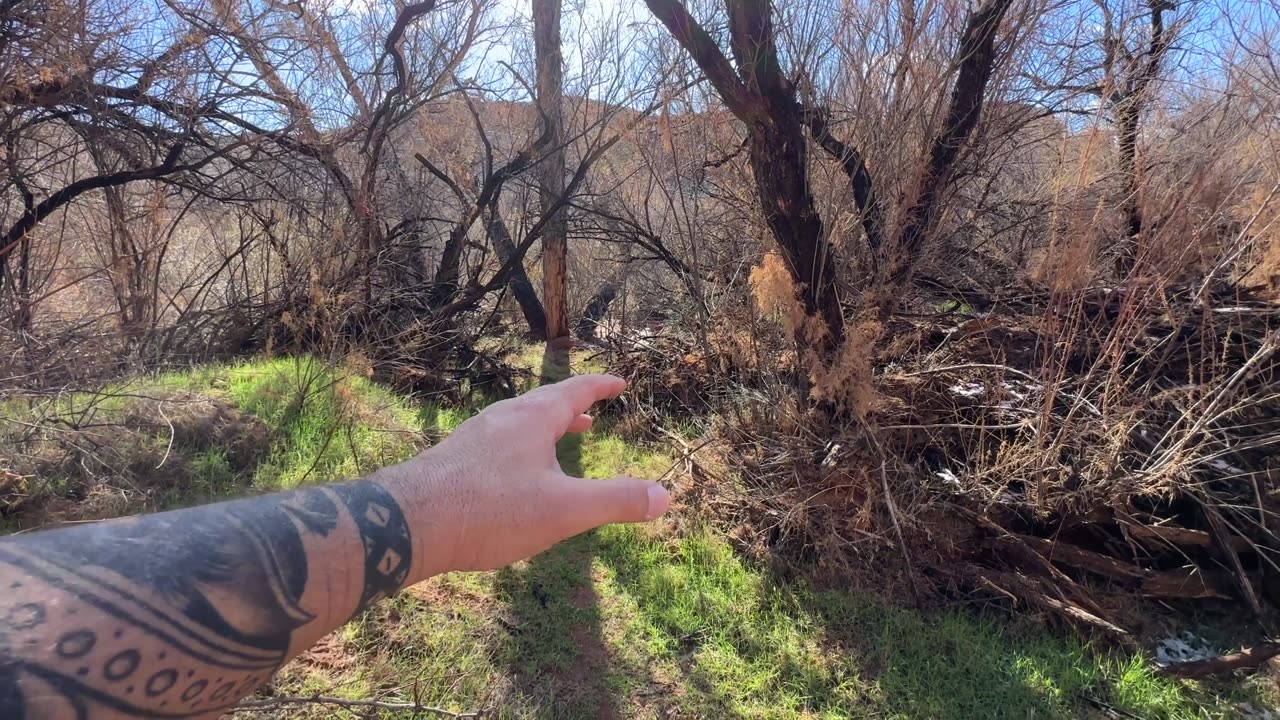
(1127, 426)
(847, 383)
(775, 292)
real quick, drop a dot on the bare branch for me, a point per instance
(410, 707)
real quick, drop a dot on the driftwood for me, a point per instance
(1028, 591)
(1246, 659)
(1188, 582)
(1162, 537)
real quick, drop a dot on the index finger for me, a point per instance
(576, 395)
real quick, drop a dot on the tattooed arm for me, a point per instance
(180, 614)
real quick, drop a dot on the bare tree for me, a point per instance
(73, 96)
(1109, 70)
(760, 95)
(549, 61)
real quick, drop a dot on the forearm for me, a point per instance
(182, 613)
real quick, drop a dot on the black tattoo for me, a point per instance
(385, 534)
(213, 594)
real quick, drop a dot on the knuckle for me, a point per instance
(538, 405)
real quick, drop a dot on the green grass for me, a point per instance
(737, 643)
(330, 425)
(640, 620)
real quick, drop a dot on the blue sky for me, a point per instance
(607, 40)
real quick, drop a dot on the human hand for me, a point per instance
(493, 492)
(261, 579)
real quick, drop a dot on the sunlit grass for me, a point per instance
(636, 621)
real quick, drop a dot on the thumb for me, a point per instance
(600, 502)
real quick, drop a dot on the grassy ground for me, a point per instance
(627, 621)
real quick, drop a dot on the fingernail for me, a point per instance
(659, 501)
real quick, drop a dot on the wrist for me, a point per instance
(428, 492)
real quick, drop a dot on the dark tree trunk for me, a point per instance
(518, 281)
(445, 284)
(860, 182)
(976, 57)
(597, 308)
(765, 100)
(779, 161)
(23, 313)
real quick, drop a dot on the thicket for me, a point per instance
(982, 294)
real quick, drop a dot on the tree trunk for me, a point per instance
(22, 318)
(128, 271)
(976, 58)
(764, 99)
(779, 161)
(1127, 147)
(598, 307)
(1129, 97)
(546, 45)
(779, 158)
(504, 247)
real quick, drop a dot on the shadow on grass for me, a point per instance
(560, 658)
(750, 643)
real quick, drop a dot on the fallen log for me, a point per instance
(1246, 659)
(1030, 592)
(1163, 536)
(1081, 559)
(1188, 582)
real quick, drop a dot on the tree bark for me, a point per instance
(761, 96)
(546, 45)
(504, 247)
(976, 60)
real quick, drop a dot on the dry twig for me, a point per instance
(415, 707)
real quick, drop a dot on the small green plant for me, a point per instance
(952, 306)
(213, 472)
